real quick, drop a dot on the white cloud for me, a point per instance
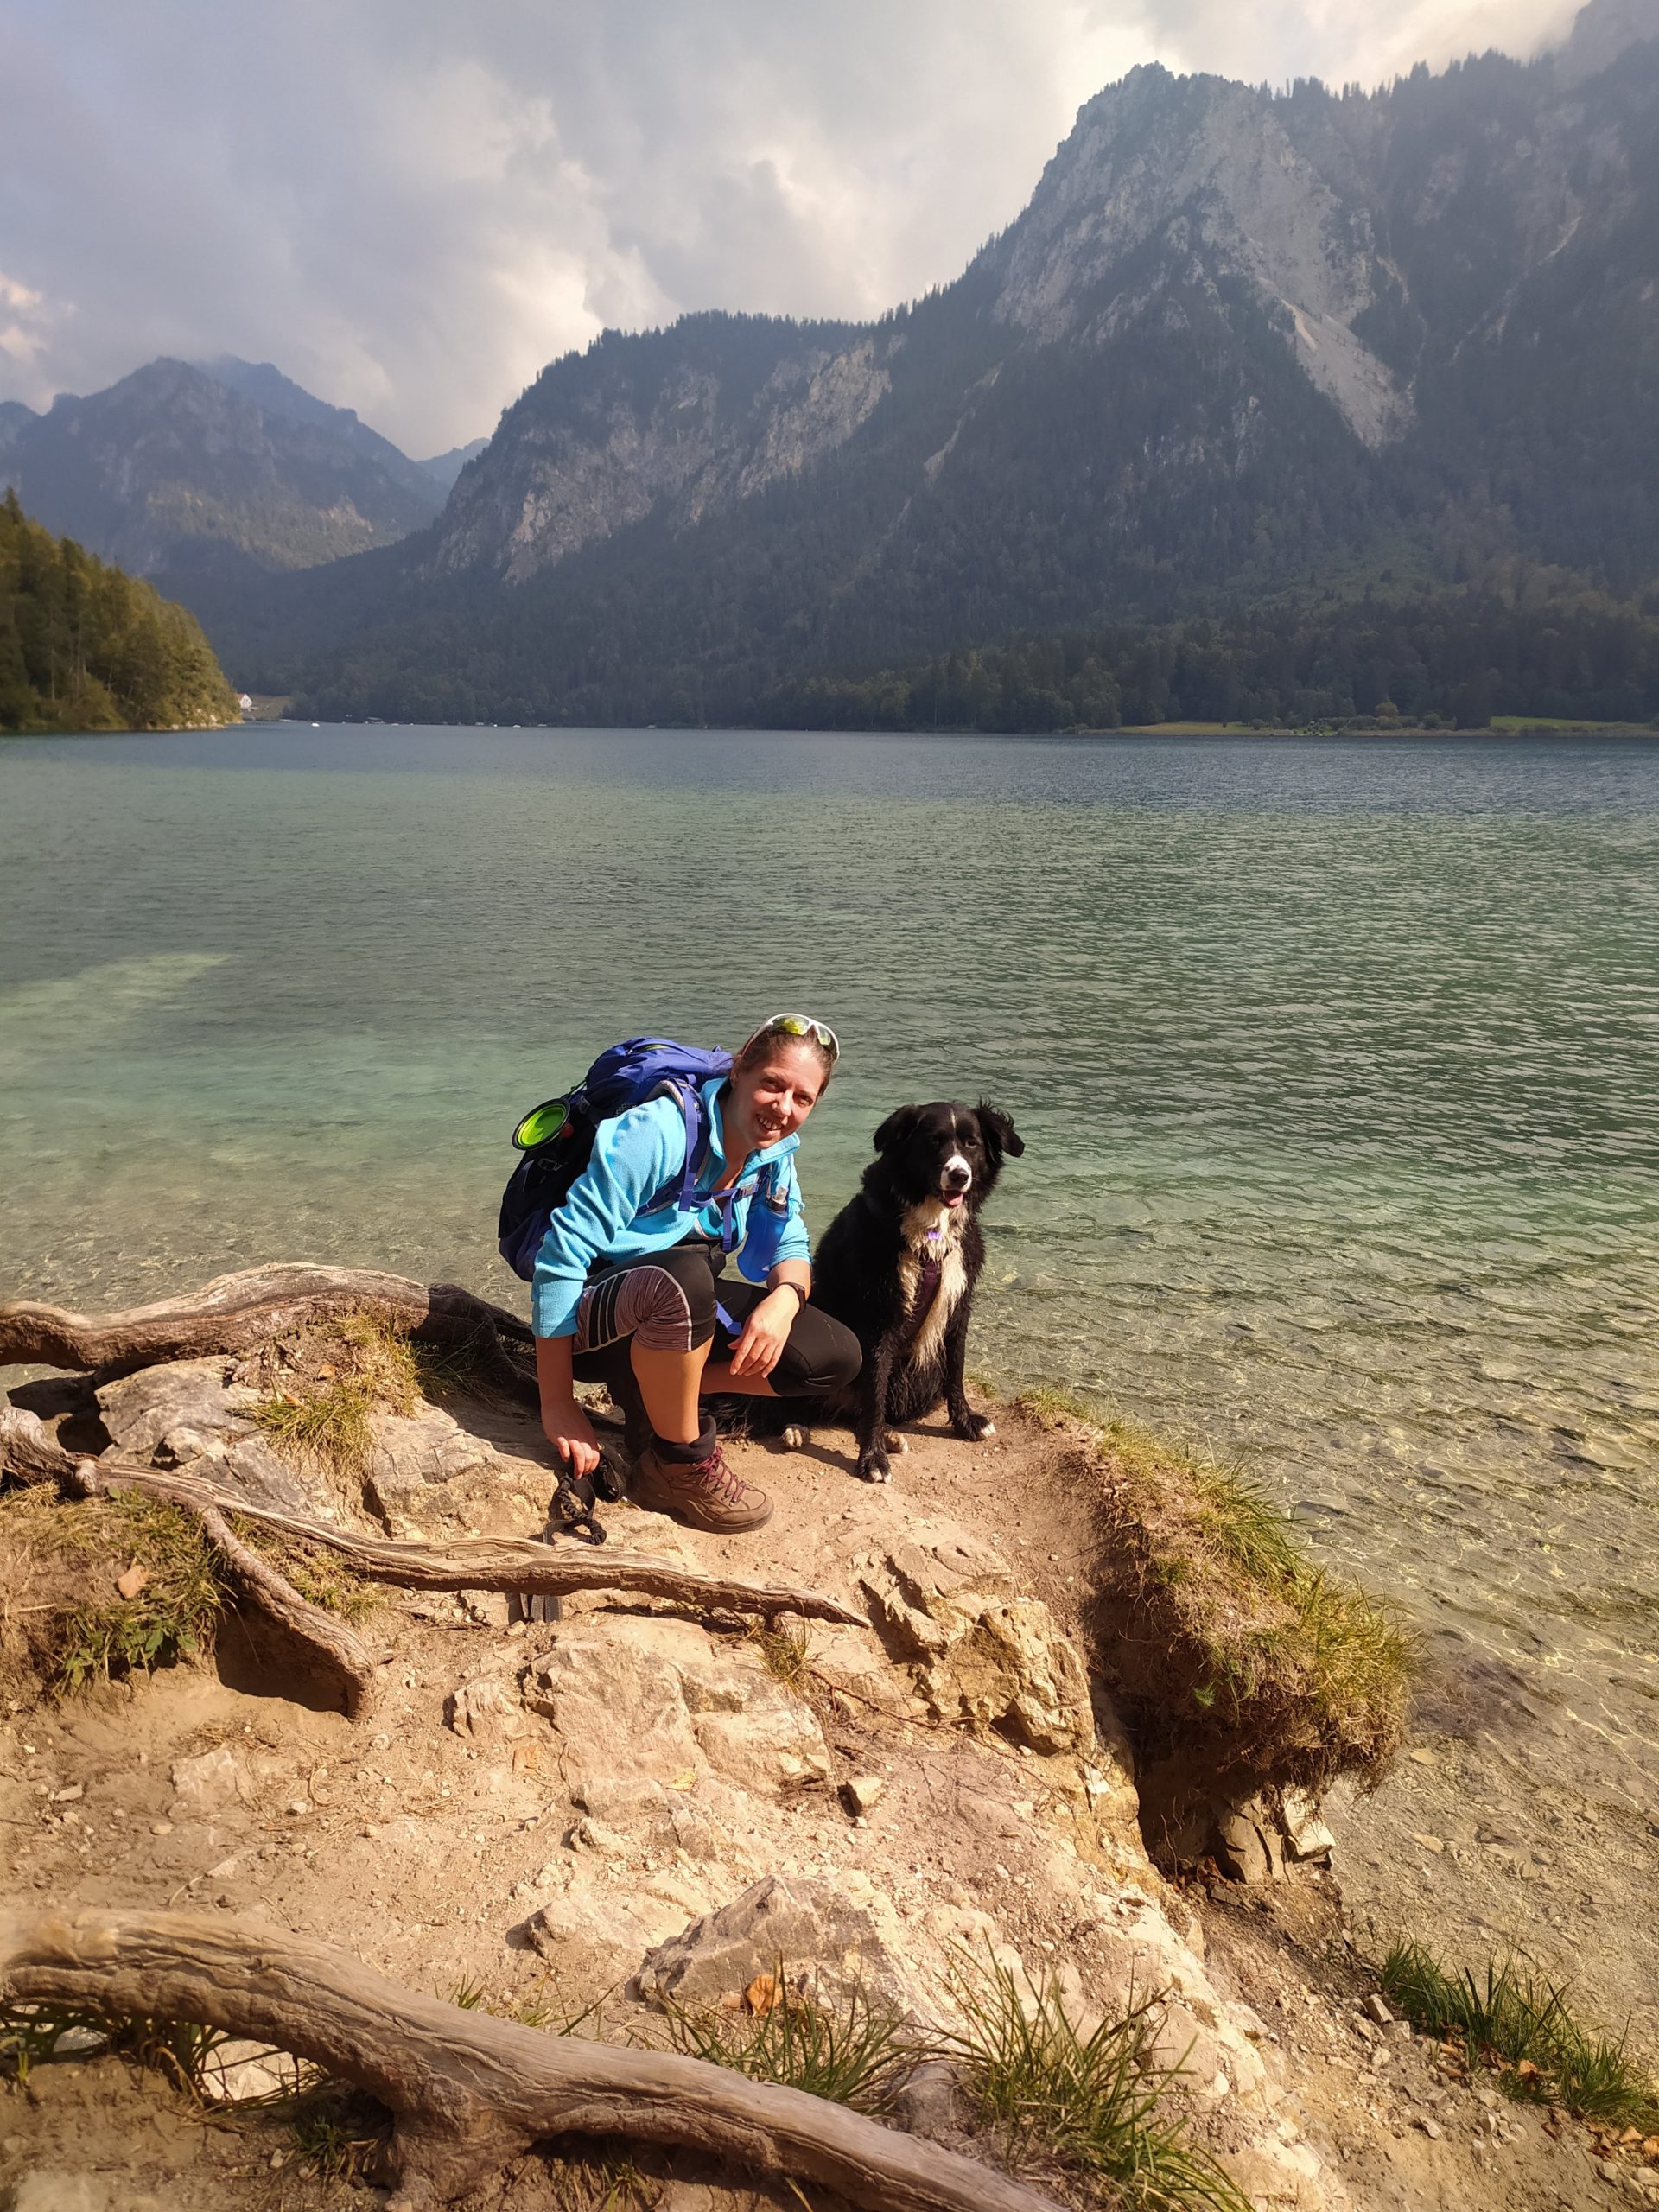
(412, 206)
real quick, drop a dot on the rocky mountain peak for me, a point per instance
(1168, 181)
(1601, 31)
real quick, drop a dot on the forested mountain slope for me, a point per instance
(1239, 344)
(83, 647)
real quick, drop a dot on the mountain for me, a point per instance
(14, 419)
(274, 394)
(444, 467)
(176, 473)
(1239, 344)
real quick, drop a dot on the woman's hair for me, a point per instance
(764, 1042)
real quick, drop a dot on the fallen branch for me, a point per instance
(234, 1313)
(340, 1649)
(469, 2092)
(30, 1454)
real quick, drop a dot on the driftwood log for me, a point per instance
(237, 1313)
(30, 1454)
(468, 2092)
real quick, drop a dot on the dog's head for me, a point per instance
(945, 1152)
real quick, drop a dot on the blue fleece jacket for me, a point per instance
(633, 1156)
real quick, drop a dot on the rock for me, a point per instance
(410, 1453)
(489, 1608)
(931, 2101)
(488, 1709)
(691, 1704)
(239, 2070)
(79, 2042)
(980, 1654)
(1377, 2009)
(44, 2191)
(1306, 1837)
(590, 1944)
(861, 1792)
(775, 1927)
(189, 1410)
(1274, 2173)
(1248, 1844)
(206, 1784)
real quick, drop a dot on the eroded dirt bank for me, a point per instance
(641, 1800)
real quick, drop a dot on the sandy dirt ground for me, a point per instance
(426, 1851)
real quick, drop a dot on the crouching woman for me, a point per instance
(634, 1294)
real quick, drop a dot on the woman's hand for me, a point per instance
(761, 1346)
(565, 1426)
(571, 1434)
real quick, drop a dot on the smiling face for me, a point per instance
(769, 1100)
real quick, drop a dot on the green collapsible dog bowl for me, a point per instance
(542, 1124)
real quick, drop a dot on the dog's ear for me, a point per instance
(999, 1131)
(897, 1127)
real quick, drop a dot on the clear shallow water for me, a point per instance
(1337, 1065)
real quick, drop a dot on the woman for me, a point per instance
(630, 1296)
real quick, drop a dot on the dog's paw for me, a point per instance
(975, 1429)
(794, 1438)
(896, 1444)
(873, 1466)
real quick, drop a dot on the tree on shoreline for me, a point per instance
(84, 646)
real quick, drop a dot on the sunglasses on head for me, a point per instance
(798, 1024)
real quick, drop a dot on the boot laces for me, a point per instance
(719, 1481)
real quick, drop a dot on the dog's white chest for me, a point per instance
(932, 1239)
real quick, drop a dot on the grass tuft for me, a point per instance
(325, 1383)
(853, 2051)
(30, 2034)
(787, 1653)
(1093, 2103)
(1517, 2020)
(174, 1616)
(1219, 1635)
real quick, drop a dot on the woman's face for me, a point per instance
(771, 1100)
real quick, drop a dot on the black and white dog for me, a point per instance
(898, 1264)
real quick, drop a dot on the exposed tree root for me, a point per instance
(30, 1453)
(469, 2092)
(234, 1313)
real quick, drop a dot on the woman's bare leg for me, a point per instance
(670, 1383)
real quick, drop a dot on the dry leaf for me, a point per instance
(135, 1578)
(763, 1994)
(1528, 2071)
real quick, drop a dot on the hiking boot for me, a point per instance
(704, 1494)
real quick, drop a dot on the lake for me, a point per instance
(1337, 1065)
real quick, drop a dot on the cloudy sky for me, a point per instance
(411, 205)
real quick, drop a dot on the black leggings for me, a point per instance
(674, 1300)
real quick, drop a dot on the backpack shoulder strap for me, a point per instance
(681, 1185)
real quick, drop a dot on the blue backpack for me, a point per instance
(557, 1137)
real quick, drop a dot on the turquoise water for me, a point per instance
(1337, 1065)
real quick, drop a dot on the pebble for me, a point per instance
(1377, 2009)
(1430, 2127)
(161, 1827)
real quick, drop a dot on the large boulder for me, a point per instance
(794, 1928)
(193, 1411)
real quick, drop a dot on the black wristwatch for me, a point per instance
(800, 1293)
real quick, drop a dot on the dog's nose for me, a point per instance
(957, 1176)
